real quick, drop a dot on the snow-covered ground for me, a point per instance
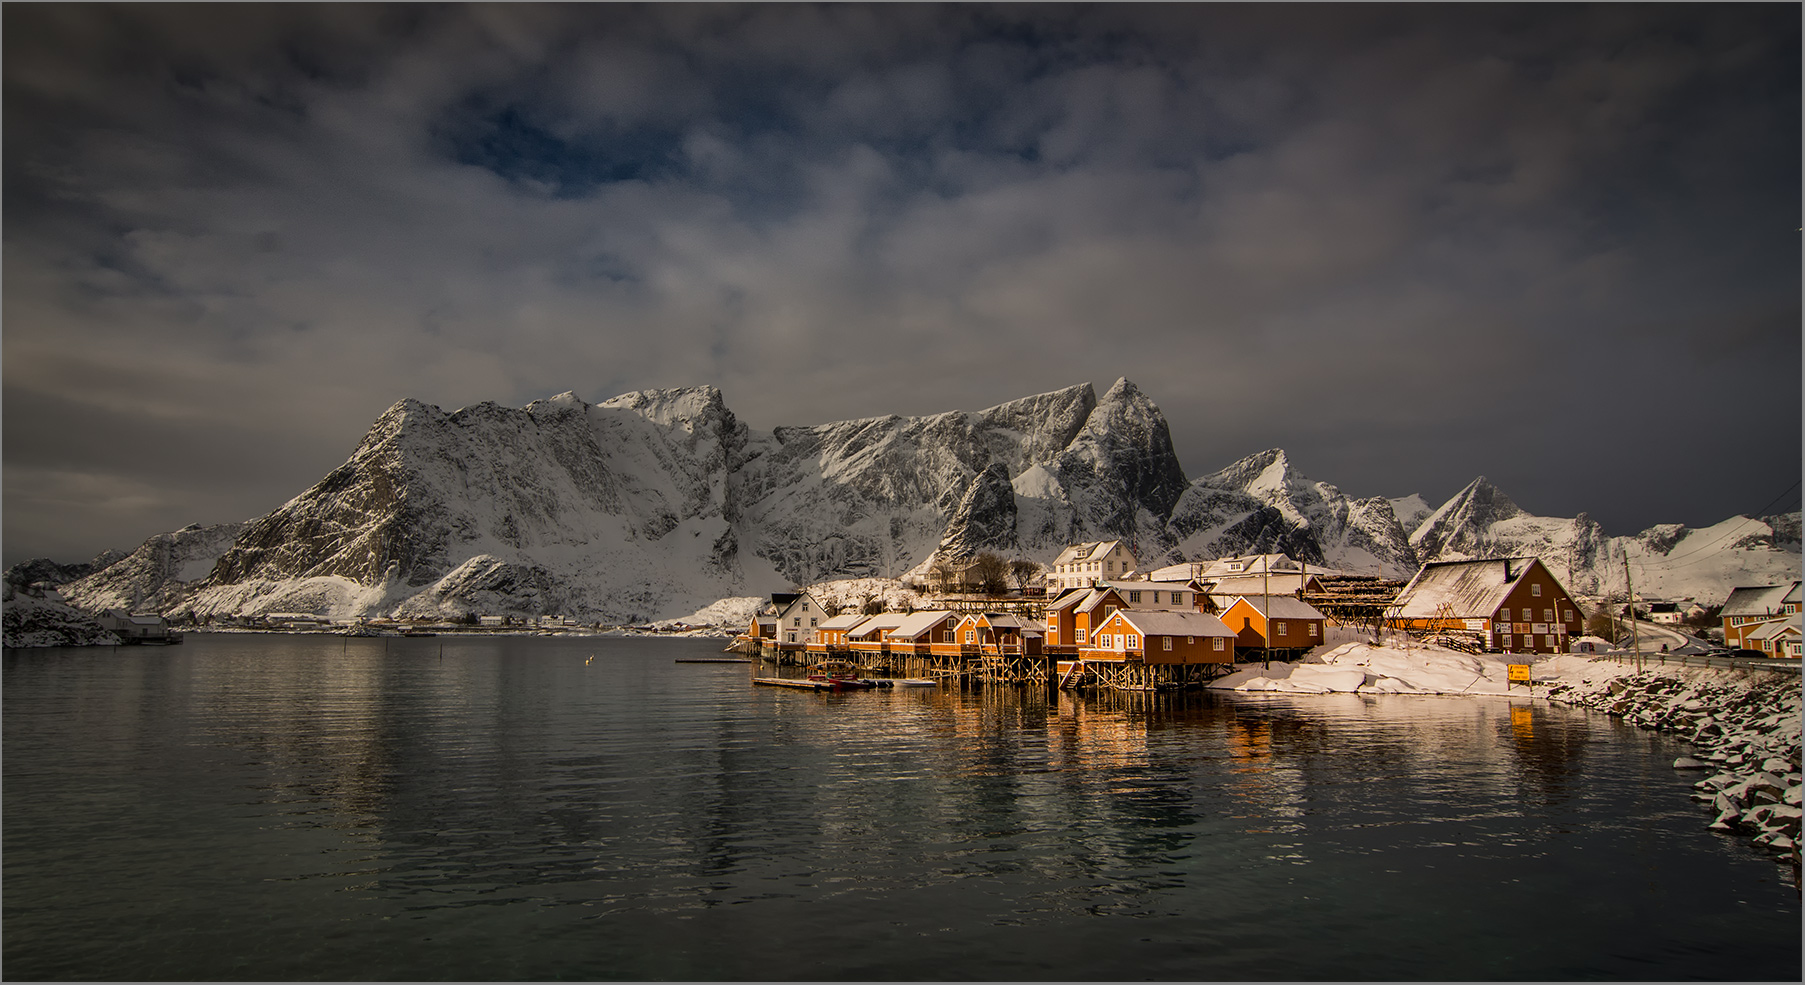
(1368, 668)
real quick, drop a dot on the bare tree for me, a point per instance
(940, 573)
(989, 572)
(1022, 574)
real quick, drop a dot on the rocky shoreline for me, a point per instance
(1743, 725)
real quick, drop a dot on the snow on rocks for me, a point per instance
(1744, 724)
(31, 621)
(1366, 668)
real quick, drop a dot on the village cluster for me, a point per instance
(1099, 619)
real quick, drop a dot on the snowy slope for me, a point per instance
(655, 504)
(1262, 503)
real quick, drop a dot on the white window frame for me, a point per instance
(1165, 642)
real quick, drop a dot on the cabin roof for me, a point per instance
(1775, 627)
(917, 623)
(1159, 622)
(1759, 600)
(1279, 607)
(1085, 551)
(876, 624)
(843, 621)
(1460, 589)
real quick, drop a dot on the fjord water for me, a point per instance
(312, 807)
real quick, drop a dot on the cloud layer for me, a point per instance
(1555, 245)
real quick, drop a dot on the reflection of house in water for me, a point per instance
(1250, 739)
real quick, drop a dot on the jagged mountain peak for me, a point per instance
(1261, 471)
(660, 500)
(1478, 505)
(672, 405)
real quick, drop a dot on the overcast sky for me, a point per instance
(1557, 246)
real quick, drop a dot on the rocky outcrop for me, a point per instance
(984, 519)
(29, 621)
(160, 575)
(1743, 727)
(1262, 503)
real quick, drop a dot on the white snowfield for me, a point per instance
(1366, 668)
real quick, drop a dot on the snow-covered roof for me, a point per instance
(1759, 600)
(1279, 607)
(1158, 622)
(1085, 551)
(1249, 563)
(917, 623)
(1002, 620)
(1083, 599)
(876, 625)
(1277, 583)
(1090, 602)
(1460, 589)
(1775, 627)
(844, 621)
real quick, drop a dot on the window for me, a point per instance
(970, 636)
(947, 637)
(1178, 598)
(1216, 643)
(797, 622)
(1131, 642)
(1165, 642)
(1191, 640)
(1547, 615)
(1566, 615)
(792, 637)
(1535, 590)
(1528, 614)
(1282, 630)
(811, 623)
(1313, 628)
(1080, 639)
(1134, 597)
(1105, 640)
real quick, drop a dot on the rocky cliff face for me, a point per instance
(159, 574)
(659, 502)
(1262, 503)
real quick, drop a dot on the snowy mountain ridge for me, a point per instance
(656, 503)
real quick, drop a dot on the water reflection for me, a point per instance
(511, 809)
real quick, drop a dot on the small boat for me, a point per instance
(839, 675)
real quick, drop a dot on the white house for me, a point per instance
(1083, 565)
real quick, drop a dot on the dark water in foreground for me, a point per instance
(292, 807)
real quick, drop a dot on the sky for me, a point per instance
(1554, 245)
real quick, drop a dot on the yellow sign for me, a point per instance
(1519, 672)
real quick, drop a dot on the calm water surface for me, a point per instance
(295, 807)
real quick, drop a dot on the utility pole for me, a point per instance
(1635, 637)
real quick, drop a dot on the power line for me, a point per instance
(1784, 494)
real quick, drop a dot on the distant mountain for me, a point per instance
(157, 576)
(1261, 504)
(657, 503)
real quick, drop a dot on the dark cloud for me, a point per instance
(1410, 244)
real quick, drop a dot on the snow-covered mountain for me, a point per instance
(158, 575)
(1666, 561)
(1261, 504)
(657, 503)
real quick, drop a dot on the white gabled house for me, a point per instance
(1083, 565)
